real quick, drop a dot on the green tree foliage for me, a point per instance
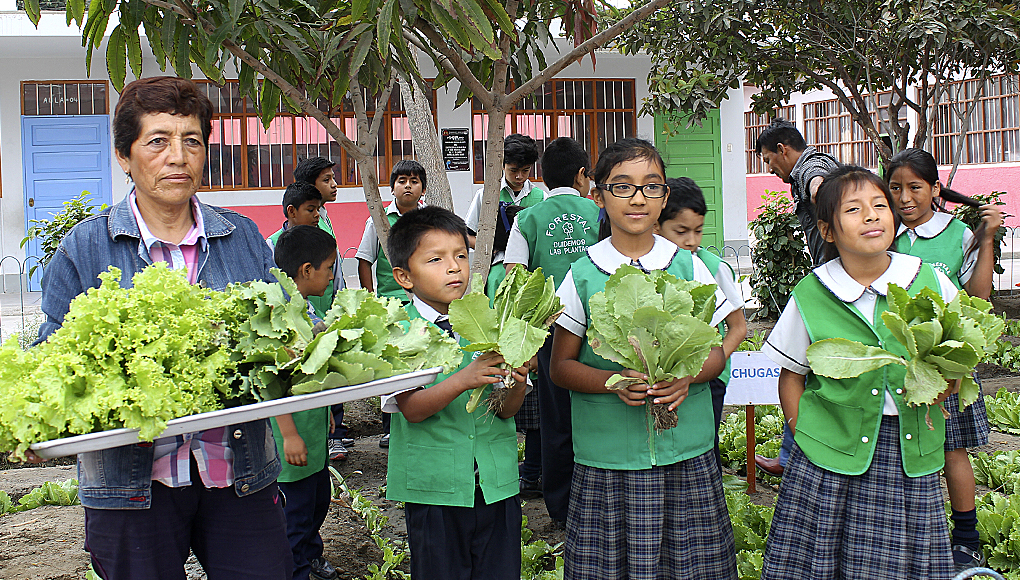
(855, 48)
(779, 255)
(50, 232)
(972, 217)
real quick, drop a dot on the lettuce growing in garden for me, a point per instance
(516, 326)
(656, 324)
(944, 342)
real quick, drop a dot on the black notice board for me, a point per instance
(455, 150)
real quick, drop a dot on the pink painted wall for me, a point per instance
(969, 180)
(348, 221)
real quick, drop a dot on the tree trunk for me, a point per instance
(426, 144)
(490, 197)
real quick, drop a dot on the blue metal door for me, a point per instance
(62, 156)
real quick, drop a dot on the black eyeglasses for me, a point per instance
(627, 190)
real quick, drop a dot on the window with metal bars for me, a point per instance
(596, 112)
(754, 124)
(829, 127)
(243, 154)
(993, 135)
(64, 98)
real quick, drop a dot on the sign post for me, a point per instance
(754, 380)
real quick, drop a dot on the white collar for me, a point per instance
(607, 258)
(392, 208)
(902, 271)
(936, 225)
(516, 196)
(561, 191)
(426, 311)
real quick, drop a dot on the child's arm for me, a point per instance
(515, 397)
(365, 275)
(420, 404)
(294, 450)
(736, 332)
(713, 367)
(791, 387)
(566, 371)
(980, 283)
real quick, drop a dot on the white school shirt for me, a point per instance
(787, 344)
(368, 250)
(608, 259)
(935, 226)
(725, 279)
(517, 249)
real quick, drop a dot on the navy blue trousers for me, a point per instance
(459, 543)
(306, 509)
(338, 417)
(557, 440)
(233, 537)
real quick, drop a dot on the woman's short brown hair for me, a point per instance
(172, 95)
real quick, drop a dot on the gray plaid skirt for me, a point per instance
(881, 524)
(527, 416)
(663, 523)
(969, 428)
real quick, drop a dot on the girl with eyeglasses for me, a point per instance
(639, 508)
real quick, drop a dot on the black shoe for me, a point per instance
(964, 558)
(531, 489)
(322, 570)
(384, 442)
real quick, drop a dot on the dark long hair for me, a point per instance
(830, 195)
(924, 166)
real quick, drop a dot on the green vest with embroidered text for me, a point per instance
(558, 231)
(838, 419)
(433, 462)
(610, 434)
(944, 251)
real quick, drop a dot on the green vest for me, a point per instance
(944, 251)
(385, 283)
(712, 262)
(498, 271)
(838, 419)
(322, 304)
(610, 434)
(534, 196)
(313, 427)
(558, 231)
(434, 461)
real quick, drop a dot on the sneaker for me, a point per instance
(347, 442)
(531, 489)
(964, 558)
(384, 441)
(337, 451)
(322, 570)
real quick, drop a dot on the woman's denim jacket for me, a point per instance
(120, 478)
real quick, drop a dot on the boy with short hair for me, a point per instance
(301, 203)
(318, 171)
(455, 472)
(408, 182)
(682, 222)
(551, 235)
(306, 254)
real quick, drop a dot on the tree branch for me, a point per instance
(460, 68)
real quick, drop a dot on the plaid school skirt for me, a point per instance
(969, 428)
(881, 524)
(527, 417)
(663, 523)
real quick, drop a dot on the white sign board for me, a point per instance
(754, 379)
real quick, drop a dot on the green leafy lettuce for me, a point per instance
(944, 342)
(656, 324)
(515, 326)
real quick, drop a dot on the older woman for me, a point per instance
(213, 492)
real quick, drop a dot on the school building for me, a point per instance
(989, 160)
(55, 138)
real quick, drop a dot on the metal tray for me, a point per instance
(235, 415)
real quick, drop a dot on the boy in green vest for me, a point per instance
(682, 222)
(551, 235)
(520, 153)
(318, 171)
(455, 471)
(306, 254)
(301, 203)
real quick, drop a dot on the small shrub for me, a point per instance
(972, 217)
(779, 255)
(51, 231)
